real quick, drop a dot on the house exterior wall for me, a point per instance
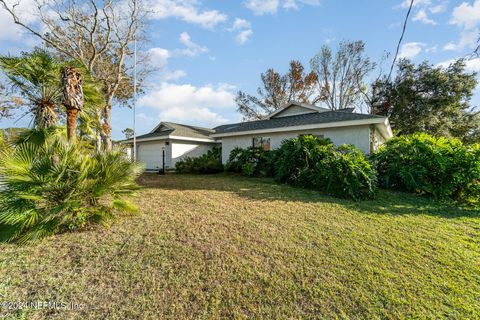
(183, 149)
(150, 154)
(356, 135)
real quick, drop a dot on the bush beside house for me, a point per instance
(440, 167)
(211, 162)
(310, 162)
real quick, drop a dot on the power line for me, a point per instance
(401, 38)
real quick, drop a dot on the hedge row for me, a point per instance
(440, 167)
(310, 162)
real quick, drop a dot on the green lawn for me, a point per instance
(226, 246)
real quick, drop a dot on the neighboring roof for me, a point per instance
(308, 109)
(170, 130)
(296, 120)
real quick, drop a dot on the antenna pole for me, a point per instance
(134, 98)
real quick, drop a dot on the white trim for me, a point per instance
(147, 139)
(306, 127)
(173, 138)
(192, 139)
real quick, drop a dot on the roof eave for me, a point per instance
(336, 124)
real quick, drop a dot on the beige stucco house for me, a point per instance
(169, 142)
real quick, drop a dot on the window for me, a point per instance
(261, 142)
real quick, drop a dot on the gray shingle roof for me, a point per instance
(291, 121)
(176, 129)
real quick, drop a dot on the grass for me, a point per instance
(225, 246)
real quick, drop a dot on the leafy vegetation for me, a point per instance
(36, 78)
(310, 162)
(442, 167)
(251, 162)
(211, 162)
(434, 100)
(222, 246)
(50, 186)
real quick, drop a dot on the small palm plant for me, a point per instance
(35, 76)
(48, 185)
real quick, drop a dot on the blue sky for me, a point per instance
(208, 50)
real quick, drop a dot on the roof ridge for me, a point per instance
(188, 126)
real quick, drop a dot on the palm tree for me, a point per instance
(35, 76)
(72, 82)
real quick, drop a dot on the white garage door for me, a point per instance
(151, 155)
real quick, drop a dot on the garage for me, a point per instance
(151, 155)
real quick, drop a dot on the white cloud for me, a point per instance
(450, 47)
(261, 7)
(243, 36)
(406, 3)
(187, 103)
(188, 11)
(423, 8)
(192, 49)
(467, 17)
(472, 65)
(438, 8)
(240, 24)
(26, 10)
(410, 50)
(172, 75)
(423, 17)
(244, 29)
(159, 57)
(295, 4)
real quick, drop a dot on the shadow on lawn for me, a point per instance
(386, 202)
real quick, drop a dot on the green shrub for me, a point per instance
(441, 167)
(315, 163)
(211, 162)
(251, 162)
(310, 162)
(51, 186)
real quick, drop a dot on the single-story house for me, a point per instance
(173, 142)
(170, 142)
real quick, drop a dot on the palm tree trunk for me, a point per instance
(72, 125)
(72, 99)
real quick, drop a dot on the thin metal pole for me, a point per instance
(134, 98)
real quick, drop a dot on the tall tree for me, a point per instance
(430, 99)
(99, 35)
(277, 90)
(72, 83)
(128, 132)
(341, 75)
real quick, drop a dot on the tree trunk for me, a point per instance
(72, 124)
(72, 99)
(106, 128)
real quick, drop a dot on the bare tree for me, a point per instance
(341, 75)
(99, 34)
(277, 90)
